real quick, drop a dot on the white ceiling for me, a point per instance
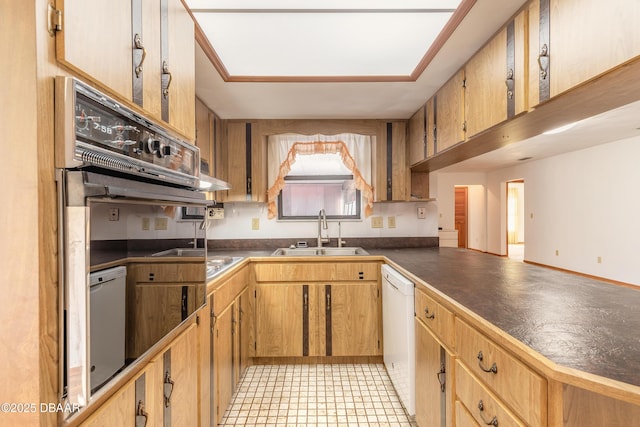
(345, 100)
(365, 100)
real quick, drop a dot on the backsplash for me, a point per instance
(241, 219)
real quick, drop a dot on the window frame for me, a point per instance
(319, 178)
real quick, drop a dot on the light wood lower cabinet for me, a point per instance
(434, 380)
(296, 320)
(483, 405)
(280, 308)
(180, 379)
(134, 404)
(354, 323)
(230, 324)
(519, 387)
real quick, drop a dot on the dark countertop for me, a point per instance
(573, 321)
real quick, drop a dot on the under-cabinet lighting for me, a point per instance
(560, 129)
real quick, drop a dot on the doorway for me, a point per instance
(461, 215)
(515, 220)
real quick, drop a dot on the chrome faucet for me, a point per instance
(322, 224)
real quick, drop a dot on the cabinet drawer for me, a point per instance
(483, 406)
(316, 272)
(225, 293)
(436, 317)
(463, 417)
(168, 272)
(524, 391)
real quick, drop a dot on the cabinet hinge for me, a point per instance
(255, 345)
(464, 83)
(55, 19)
(464, 126)
(378, 344)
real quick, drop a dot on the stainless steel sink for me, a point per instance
(346, 251)
(192, 252)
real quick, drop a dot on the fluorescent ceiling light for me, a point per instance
(321, 38)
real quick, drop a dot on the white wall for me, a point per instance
(583, 204)
(445, 184)
(238, 221)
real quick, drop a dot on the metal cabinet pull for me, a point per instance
(165, 71)
(442, 378)
(493, 368)
(427, 315)
(328, 301)
(543, 61)
(306, 301)
(168, 382)
(510, 82)
(493, 421)
(140, 412)
(137, 42)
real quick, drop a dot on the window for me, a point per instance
(304, 196)
(315, 182)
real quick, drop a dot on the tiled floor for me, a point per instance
(317, 396)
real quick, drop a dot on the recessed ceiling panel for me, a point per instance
(321, 44)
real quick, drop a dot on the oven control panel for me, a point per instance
(99, 131)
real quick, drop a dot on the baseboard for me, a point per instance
(317, 360)
(588, 276)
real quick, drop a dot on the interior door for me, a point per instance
(461, 215)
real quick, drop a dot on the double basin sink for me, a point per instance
(344, 251)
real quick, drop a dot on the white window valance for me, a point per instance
(354, 149)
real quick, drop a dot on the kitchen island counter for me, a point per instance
(573, 321)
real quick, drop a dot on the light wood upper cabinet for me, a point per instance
(107, 57)
(486, 91)
(450, 115)
(391, 174)
(246, 163)
(204, 136)
(418, 136)
(102, 55)
(589, 37)
(181, 66)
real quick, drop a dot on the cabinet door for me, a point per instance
(279, 320)
(95, 51)
(589, 37)
(418, 136)
(239, 157)
(391, 168)
(181, 65)
(223, 362)
(203, 136)
(184, 374)
(430, 398)
(243, 329)
(486, 92)
(450, 112)
(160, 307)
(353, 319)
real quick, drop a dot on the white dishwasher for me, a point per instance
(398, 331)
(106, 324)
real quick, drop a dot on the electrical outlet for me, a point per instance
(391, 222)
(255, 223)
(114, 214)
(160, 223)
(422, 213)
(376, 222)
(557, 252)
(146, 224)
(599, 260)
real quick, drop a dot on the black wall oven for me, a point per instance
(123, 181)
